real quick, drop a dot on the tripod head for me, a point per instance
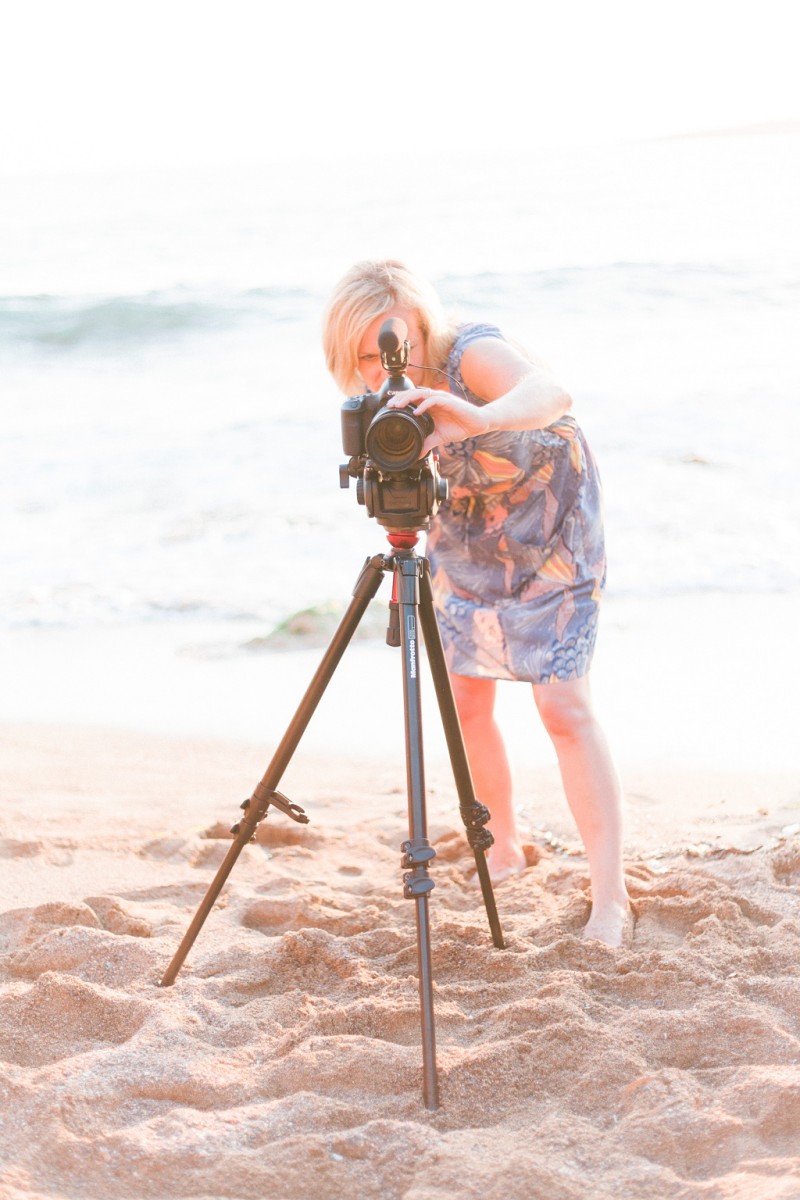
(399, 487)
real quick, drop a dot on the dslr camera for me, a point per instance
(399, 487)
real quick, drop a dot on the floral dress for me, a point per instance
(516, 553)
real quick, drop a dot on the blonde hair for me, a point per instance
(368, 290)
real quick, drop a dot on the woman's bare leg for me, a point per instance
(491, 773)
(594, 795)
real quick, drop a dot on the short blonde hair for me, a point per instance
(368, 290)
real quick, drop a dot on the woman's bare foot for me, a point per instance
(612, 924)
(505, 859)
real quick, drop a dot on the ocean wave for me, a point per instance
(68, 322)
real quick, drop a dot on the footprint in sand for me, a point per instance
(20, 848)
(23, 926)
(60, 1016)
(277, 915)
(687, 905)
(786, 864)
(86, 952)
(119, 918)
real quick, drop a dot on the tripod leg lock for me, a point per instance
(258, 811)
(393, 628)
(280, 801)
(475, 819)
(417, 882)
(414, 885)
(416, 855)
(248, 822)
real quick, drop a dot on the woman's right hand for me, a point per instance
(453, 419)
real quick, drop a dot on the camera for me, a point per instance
(399, 487)
(391, 438)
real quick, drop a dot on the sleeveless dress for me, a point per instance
(516, 553)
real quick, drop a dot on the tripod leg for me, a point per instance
(417, 851)
(474, 814)
(256, 807)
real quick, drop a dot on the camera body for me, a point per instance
(399, 486)
(357, 413)
(391, 437)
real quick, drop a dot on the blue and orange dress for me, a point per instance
(517, 553)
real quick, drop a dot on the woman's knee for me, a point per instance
(565, 708)
(474, 699)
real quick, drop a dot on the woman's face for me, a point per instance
(369, 355)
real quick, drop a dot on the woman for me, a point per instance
(516, 553)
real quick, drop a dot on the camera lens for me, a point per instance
(395, 438)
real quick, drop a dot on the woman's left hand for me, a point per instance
(453, 419)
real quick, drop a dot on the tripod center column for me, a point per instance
(417, 851)
(408, 572)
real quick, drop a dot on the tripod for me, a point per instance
(411, 608)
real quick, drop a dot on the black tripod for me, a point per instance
(411, 608)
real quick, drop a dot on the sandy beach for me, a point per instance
(285, 1061)
(169, 489)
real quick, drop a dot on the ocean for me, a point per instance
(170, 440)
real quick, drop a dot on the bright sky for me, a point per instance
(95, 83)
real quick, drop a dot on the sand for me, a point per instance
(285, 1061)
